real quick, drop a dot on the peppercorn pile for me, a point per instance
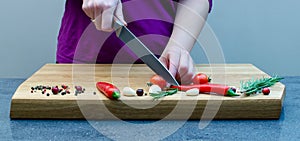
(56, 90)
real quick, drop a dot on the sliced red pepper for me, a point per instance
(108, 89)
(208, 88)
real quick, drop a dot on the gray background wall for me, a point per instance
(28, 35)
(264, 33)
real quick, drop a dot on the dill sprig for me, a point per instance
(161, 94)
(256, 85)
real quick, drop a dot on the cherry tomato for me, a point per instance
(201, 78)
(265, 91)
(158, 80)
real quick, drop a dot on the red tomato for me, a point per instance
(201, 78)
(158, 80)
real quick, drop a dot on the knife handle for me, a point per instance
(118, 26)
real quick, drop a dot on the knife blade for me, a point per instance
(142, 51)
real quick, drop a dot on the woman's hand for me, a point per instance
(103, 13)
(190, 18)
(179, 62)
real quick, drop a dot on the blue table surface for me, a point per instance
(286, 128)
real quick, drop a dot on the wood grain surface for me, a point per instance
(91, 105)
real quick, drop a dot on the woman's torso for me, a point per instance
(80, 42)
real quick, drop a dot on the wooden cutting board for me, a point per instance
(94, 105)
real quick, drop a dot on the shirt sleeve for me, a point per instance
(210, 5)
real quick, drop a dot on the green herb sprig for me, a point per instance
(256, 85)
(161, 94)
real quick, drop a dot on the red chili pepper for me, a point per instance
(109, 90)
(208, 88)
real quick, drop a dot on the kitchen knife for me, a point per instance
(143, 52)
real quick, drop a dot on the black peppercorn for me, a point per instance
(140, 92)
(63, 93)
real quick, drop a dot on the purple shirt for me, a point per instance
(80, 42)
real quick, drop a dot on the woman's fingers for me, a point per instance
(97, 20)
(102, 13)
(119, 13)
(183, 67)
(107, 19)
(186, 68)
(173, 61)
(164, 61)
(180, 64)
(88, 9)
